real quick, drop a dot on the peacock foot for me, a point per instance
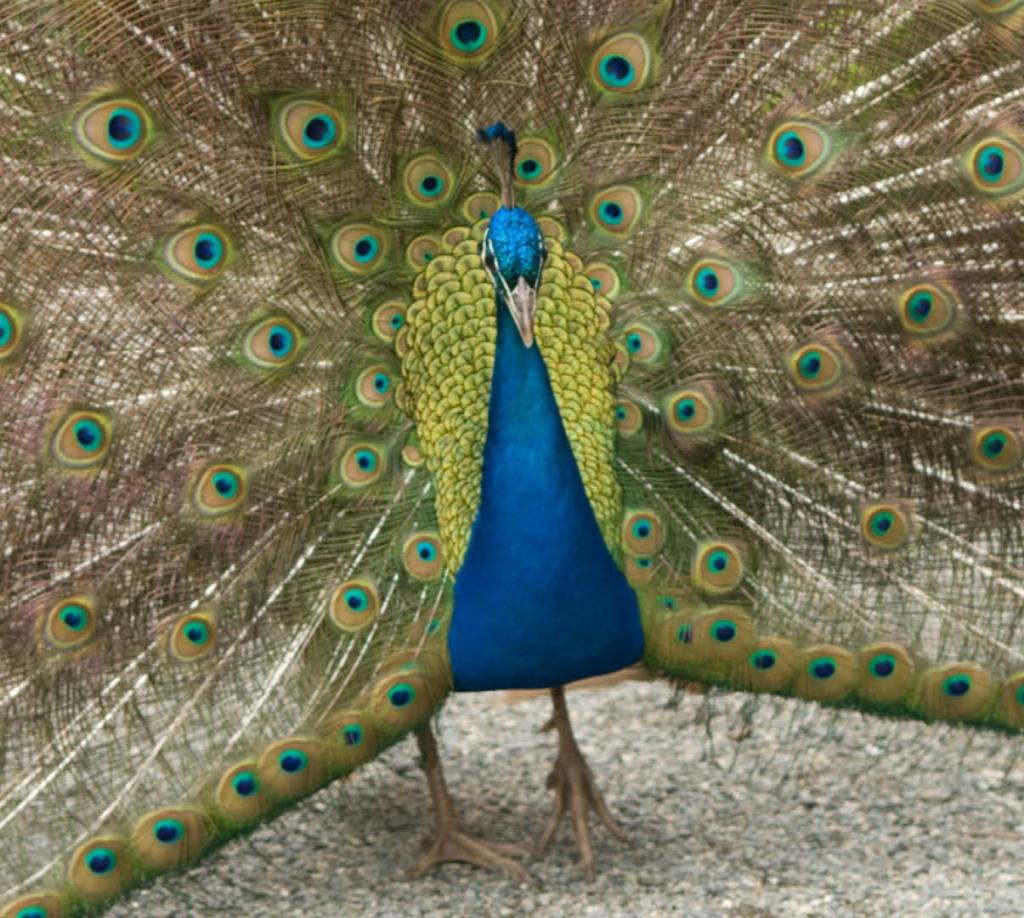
(451, 842)
(575, 791)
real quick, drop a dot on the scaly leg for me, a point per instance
(451, 842)
(575, 791)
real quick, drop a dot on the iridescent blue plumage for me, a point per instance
(539, 601)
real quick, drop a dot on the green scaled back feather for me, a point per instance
(223, 580)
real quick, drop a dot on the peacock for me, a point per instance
(355, 354)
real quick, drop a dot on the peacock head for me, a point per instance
(512, 247)
(513, 253)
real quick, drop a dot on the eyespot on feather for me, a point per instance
(423, 556)
(825, 673)
(220, 489)
(239, 795)
(885, 673)
(607, 282)
(427, 181)
(629, 420)
(406, 695)
(694, 412)
(354, 605)
(958, 691)
(352, 739)
(550, 228)
(993, 166)
(479, 206)
(640, 569)
(359, 248)
(799, 148)
(100, 868)
(199, 253)
(616, 210)
(996, 447)
(308, 129)
(886, 525)
(1011, 701)
(421, 250)
(717, 567)
(928, 310)
(622, 63)
(362, 464)
(293, 767)
(388, 319)
(112, 131)
(819, 368)
(272, 343)
(468, 31)
(643, 344)
(714, 282)
(642, 532)
(70, 623)
(192, 637)
(769, 667)
(169, 838)
(536, 162)
(702, 644)
(13, 323)
(36, 905)
(723, 635)
(412, 454)
(374, 386)
(81, 440)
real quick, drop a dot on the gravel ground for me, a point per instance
(773, 809)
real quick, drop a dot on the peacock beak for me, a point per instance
(523, 306)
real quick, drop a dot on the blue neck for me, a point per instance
(539, 601)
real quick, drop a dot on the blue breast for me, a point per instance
(539, 601)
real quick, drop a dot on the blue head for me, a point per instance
(512, 247)
(513, 252)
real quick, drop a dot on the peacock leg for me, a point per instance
(451, 842)
(575, 791)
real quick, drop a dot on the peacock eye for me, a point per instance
(70, 623)
(427, 180)
(114, 131)
(994, 166)
(714, 282)
(422, 556)
(272, 343)
(622, 64)
(192, 637)
(219, 490)
(308, 129)
(354, 605)
(82, 439)
(798, 149)
(388, 319)
(468, 30)
(535, 163)
(359, 248)
(616, 210)
(927, 310)
(198, 253)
